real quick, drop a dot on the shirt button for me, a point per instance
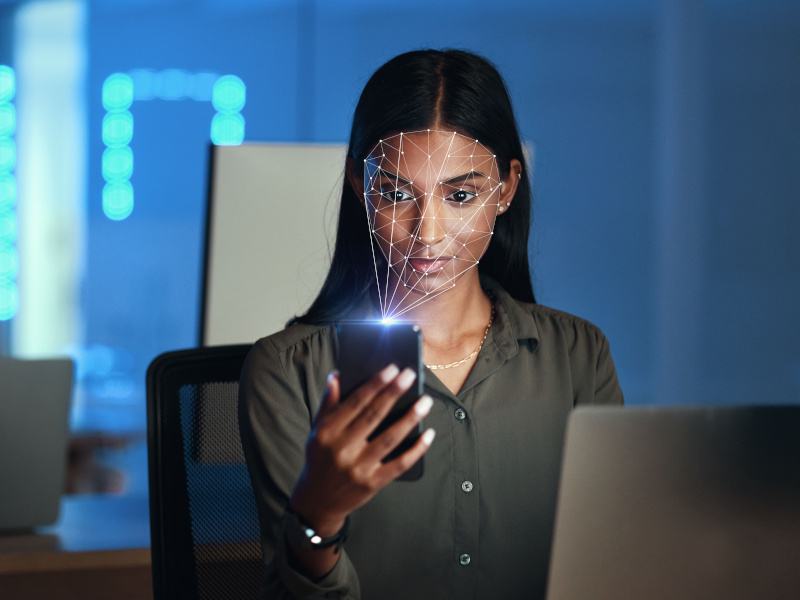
(460, 414)
(464, 560)
(467, 486)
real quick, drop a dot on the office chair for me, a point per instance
(204, 529)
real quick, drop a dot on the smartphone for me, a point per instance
(363, 349)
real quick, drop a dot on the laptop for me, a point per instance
(35, 400)
(690, 503)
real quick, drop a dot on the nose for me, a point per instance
(431, 228)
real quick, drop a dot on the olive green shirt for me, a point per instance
(479, 522)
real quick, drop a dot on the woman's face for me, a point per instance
(432, 198)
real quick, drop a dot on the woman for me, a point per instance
(433, 229)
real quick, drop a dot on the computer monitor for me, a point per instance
(272, 209)
(35, 400)
(689, 503)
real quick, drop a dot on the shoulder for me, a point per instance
(288, 368)
(296, 342)
(552, 318)
(560, 329)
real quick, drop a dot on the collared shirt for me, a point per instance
(479, 523)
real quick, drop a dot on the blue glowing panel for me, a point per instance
(8, 120)
(227, 94)
(118, 200)
(118, 92)
(117, 164)
(8, 85)
(9, 258)
(118, 129)
(227, 129)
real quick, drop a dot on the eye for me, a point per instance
(461, 196)
(393, 195)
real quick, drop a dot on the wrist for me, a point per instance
(324, 524)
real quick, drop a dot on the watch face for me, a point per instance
(304, 536)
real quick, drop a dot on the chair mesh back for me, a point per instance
(224, 522)
(204, 522)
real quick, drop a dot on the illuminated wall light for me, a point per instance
(227, 94)
(118, 129)
(228, 98)
(118, 200)
(117, 164)
(9, 259)
(8, 120)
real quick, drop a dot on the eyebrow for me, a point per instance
(452, 180)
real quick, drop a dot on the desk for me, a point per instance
(98, 549)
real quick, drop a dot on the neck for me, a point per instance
(454, 314)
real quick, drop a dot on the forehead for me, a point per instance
(423, 154)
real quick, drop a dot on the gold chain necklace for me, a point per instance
(471, 354)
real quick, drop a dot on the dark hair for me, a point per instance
(413, 91)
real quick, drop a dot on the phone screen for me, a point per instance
(363, 349)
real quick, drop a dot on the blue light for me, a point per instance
(143, 84)
(9, 258)
(8, 120)
(174, 84)
(202, 86)
(8, 227)
(8, 192)
(117, 129)
(9, 264)
(117, 164)
(8, 86)
(117, 92)
(8, 155)
(229, 94)
(9, 300)
(118, 200)
(227, 129)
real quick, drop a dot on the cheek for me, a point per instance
(472, 232)
(390, 231)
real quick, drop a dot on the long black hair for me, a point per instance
(455, 89)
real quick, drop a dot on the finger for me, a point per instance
(373, 412)
(394, 468)
(394, 435)
(330, 398)
(354, 403)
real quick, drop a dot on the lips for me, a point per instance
(428, 265)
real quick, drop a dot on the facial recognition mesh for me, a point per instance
(431, 198)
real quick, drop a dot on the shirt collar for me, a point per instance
(513, 318)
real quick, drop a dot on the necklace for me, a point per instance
(471, 354)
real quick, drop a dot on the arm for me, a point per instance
(274, 423)
(607, 390)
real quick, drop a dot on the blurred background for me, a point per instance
(666, 172)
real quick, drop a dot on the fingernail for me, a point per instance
(406, 378)
(428, 436)
(389, 373)
(331, 376)
(423, 405)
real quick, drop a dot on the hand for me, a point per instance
(343, 470)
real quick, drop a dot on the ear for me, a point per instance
(355, 177)
(508, 187)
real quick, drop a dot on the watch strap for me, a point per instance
(310, 538)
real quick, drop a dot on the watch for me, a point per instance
(304, 536)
